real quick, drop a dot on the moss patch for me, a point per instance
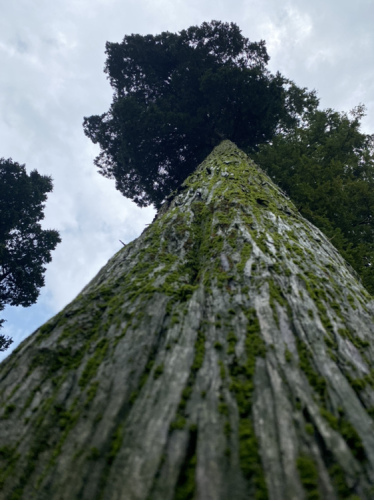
(185, 487)
(180, 418)
(94, 362)
(309, 477)
(241, 376)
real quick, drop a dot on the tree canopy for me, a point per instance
(177, 95)
(327, 168)
(25, 247)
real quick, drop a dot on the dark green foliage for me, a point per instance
(4, 340)
(326, 167)
(177, 95)
(25, 247)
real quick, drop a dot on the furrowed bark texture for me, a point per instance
(227, 353)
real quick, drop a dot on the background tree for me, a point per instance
(4, 340)
(25, 247)
(176, 95)
(327, 168)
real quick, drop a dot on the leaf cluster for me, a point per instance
(177, 95)
(25, 247)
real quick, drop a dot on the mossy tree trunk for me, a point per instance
(226, 353)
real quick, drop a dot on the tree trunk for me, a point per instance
(227, 353)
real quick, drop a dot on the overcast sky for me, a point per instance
(52, 59)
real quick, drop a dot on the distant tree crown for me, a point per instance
(177, 95)
(24, 246)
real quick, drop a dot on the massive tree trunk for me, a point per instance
(227, 353)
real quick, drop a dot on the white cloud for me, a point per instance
(285, 29)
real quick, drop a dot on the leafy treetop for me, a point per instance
(24, 246)
(177, 95)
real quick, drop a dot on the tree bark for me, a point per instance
(227, 353)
